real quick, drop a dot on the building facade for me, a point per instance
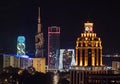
(22, 62)
(53, 47)
(39, 64)
(66, 59)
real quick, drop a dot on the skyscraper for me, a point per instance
(88, 58)
(53, 47)
(39, 61)
(88, 48)
(21, 45)
(39, 40)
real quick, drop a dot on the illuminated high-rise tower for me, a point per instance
(53, 47)
(39, 40)
(21, 45)
(88, 48)
(88, 58)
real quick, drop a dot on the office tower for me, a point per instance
(21, 45)
(66, 59)
(53, 47)
(39, 40)
(88, 58)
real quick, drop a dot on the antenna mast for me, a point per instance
(39, 24)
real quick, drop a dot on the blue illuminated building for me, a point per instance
(21, 45)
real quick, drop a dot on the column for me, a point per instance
(100, 56)
(76, 60)
(86, 57)
(97, 57)
(81, 61)
(93, 57)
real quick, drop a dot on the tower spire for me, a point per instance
(39, 40)
(39, 24)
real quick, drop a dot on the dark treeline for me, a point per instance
(10, 75)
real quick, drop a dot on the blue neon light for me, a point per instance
(21, 39)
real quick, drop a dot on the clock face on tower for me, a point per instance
(87, 29)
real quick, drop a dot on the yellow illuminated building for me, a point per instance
(39, 64)
(88, 58)
(88, 48)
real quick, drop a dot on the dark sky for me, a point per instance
(19, 17)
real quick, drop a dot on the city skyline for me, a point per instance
(20, 18)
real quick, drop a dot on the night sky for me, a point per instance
(19, 17)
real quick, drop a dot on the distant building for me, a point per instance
(53, 47)
(115, 65)
(8, 61)
(88, 57)
(39, 64)
(39, 61)
(108, 59)
(21, 45)
(66, 59)
(39, 39)
(22, 62)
